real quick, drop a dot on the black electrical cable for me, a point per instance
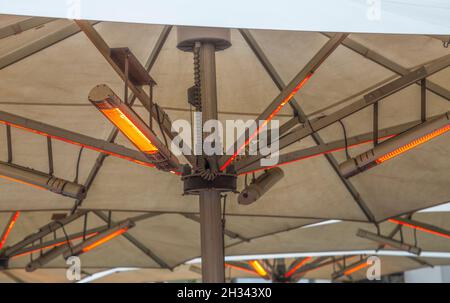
(85, 226)
(345, 139)
(160, 124)
(223, 222)
(224, 209)
(78, 164)
(192, 129)
(77, 172)
(67, 236)
(377, 226)
(415, 237)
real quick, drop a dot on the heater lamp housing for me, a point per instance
(133, 127)
(396, 146)
(41, 180)
(389, 242)
(47, 257)
(347, 271)
(260, 186)
(100, 239)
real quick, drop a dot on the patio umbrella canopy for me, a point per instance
(49, 66)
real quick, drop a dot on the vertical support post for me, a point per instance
(375, 124)
(127, 77)
(50, 156)
(212, 248)
(423, 100)
(150, 94)
(9, 143)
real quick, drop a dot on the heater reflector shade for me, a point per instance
(413, 144)
(47, 257)
(30, 251)
(133, 127)
(396, 146)
(388, 242)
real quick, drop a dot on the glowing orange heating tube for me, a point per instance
(258, 268)
(130, 130)
(240, 268)
(314, 155)
(293, 270)
(105, 239)
(413, 144)
(322, 265)
(9, 228)
(419, 228)
(52, 245)
(273, 114)
(349, 271)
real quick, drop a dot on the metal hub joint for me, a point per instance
(194, 182)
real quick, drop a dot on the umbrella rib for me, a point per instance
(112, 136)
(330, 147)
(192, 213)
(285, 96)
(138, 90)
(240, 215)
(42, 42)
(390, 65)
(421, 261)
(23, 25)
(318, 140)
(72, 237)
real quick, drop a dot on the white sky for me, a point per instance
(375, 16)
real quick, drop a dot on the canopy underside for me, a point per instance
(47, 72)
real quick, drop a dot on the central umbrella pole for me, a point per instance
(213, 267)
(204, 178)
